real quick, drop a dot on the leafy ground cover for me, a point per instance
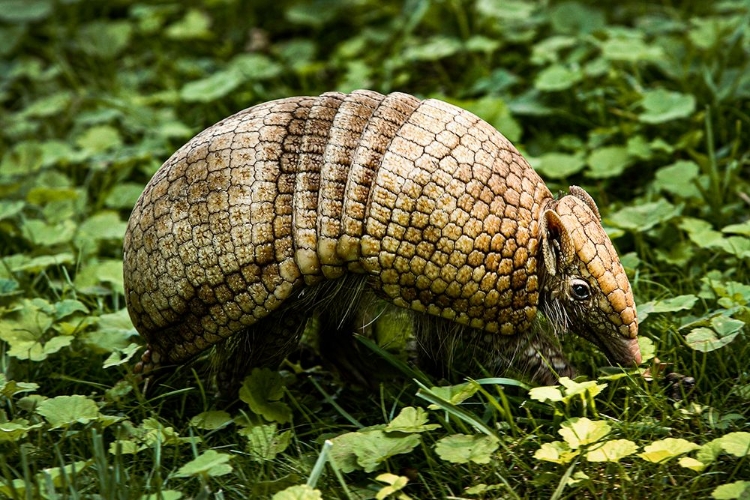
(644, 104)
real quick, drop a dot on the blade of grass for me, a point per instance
(333, 403)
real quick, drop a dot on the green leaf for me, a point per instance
(545, 394)
(54, 476)
(10, 35)
(211, 420)
(678, 303)
(369, 449)
(98, 139)
(104, 225)
(343, 453)
(558, 165)
(8, 287)
(709, 32)
(556, 451)
(462, 448)
(56, 152)
(124, 195)
(105, 39)
(692, 464)
(639, 148)
(47, 195)
(10, 388)
(144, 436)
(736, 443)
(43, 262)
(643, 217)
(151, 430)
(209, 463)
(516, 10)
(25, 158)
(299, 492)
(96, 272)
(26, 329)
(647, 347)
(211, 88)
(455, 394)
(377, 447)
(723, 331)
(678, 179)
(163, 495)
(114, 331)
(709, 452)
(588, 389)
(262, 390)
(547, 50)
(557, 77)
(22, 11)
(479, 43)
(409, 420)
(66, 307)
(666, 449)
(394, 484)
(743, 228)
(312, 14)
(612, 451)
(582, 431)
(121, 356)
(494, 111)
(46, 235)
(673, 304)
(64, 411)
(703, 235)
(662, 106)
(632, 50)
(738, 246)
(482, 488)
(15, 430)
(264, 443)
(195, 25)
(609, 161)
(255, 67)
(9, 209)
(48, 106)
(730, 491)
(433, 49)
(724, 325)
(576, 18)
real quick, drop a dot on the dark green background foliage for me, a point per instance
(645, 104)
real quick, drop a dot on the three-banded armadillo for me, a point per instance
(260, 219)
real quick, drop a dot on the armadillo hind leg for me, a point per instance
(264, 344)
(339, 347)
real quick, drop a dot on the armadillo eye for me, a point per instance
(580, 290)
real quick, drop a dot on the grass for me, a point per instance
(646, 106)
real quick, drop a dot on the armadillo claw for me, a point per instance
(148, 363)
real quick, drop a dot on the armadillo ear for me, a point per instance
(582, 195)
(557, 245)
(548, 252)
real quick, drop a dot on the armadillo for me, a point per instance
(298, 204)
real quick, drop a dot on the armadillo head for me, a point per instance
(585, 288)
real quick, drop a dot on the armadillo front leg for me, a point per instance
(446, 346)
(537, 355)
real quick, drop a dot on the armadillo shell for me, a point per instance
(430, 201)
